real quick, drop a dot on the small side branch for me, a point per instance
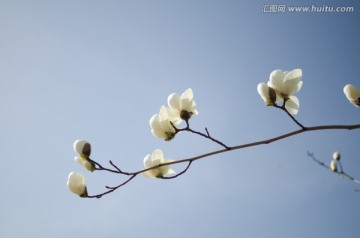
(99, 167)
(181, 173)
(341, 172)
(112, 189)
(207, 135)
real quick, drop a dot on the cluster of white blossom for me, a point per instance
(282, 86)
(181, 108)
(163, 126)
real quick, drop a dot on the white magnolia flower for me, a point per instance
(336, 156)
(352, 94)
(183, 106)
(156, 158)
(333, 165)
(161, 126)
(85, 163)
(76, 184)
(267, 94)
(286, 84)
(82, 148)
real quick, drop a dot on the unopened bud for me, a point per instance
(333, 165)
(83, 148)
(336, 156)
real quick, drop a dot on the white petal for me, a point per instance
(79, 146)
(149, 174)
(169, 114)
(148, 161)
(295, 74)
(158, 155)
(188, 94)
(174, 101)
(154, 159)
(292, 105)
(276, 80)
(165, 113)
(187, 105)
(263, 91)
(156, 128)
(292, 86)
(164, 170)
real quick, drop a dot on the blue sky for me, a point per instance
(98, 70)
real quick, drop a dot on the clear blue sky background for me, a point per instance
(98, 70)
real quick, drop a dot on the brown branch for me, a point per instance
(192, 159)
(262, 142)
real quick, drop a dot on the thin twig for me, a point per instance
(177, 175)
(207, 132)
(207, 135)
(288, 113)
(112, 189)
(340, 172)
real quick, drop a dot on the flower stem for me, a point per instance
(207, 135)
(288, 113)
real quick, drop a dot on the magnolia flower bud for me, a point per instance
(336, 156)
(83, 148)
(76, 184)
(333, 165)
(267, 94)
(352, 94)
